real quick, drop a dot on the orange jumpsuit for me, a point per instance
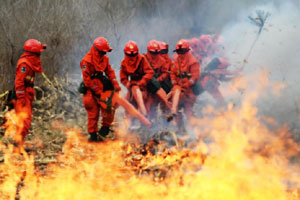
(165, 79)
(94, 66)
(136, 71)
(161, 73)
(166, 68)
(216, 71)
(196, 48)
(185, 73)
(27, 66)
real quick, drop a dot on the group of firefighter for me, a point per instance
(153, 80)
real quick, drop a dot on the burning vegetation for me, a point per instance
(232, 155)
(182, 147)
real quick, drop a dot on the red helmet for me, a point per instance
(163, 46)
(101, 44)
(153, 46)
(206, 38)
(182, 45)
(34, 46)
(131, 48)
(194, 41)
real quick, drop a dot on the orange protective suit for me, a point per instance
(136, 71)
(93, 67)
(157, 63)
(215, 72)
(185, 73)
(161, 72)
(27, 66)
(165, 80)
(196, 49)
(166, 72)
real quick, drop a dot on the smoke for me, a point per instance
(276, 51)
(170, 20)
(69, 28)
(142, 21)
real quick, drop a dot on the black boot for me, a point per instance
(93, 137)
(104, 130)
(105, 133)
(171, 117)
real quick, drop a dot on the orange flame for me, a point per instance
(235, 157)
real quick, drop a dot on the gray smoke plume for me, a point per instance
(277, 50)
(70, 26)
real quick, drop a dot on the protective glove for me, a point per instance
(22, 101)
(186, 83)
(97, 93)
(117, 87)
(142, 83)
(160, 79)
(127, 85)
(96, 90)
(174, 82)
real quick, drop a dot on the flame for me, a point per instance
(235, 156)
(14, 125)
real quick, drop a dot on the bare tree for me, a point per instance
(69, 27)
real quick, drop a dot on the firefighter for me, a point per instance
(135, 74)
(165, 79)
(98, 77)
(157, 94)
(184, 75)
(28, 64)
(196, 48)
(214, 73)
(205, 49)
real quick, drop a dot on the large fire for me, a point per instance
(234, 156)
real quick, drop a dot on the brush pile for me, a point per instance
(59, 101)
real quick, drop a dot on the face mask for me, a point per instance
(154, 52)
(164, 51)
(182, 51)
(131, 54)
(34, 53)
(102, 53)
